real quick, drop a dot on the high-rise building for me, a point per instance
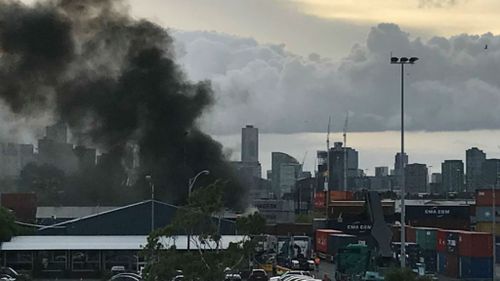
(249, 144)
(416, 178)
(490, 174)
(435, 185)
(285, 172)
(250, 151)
(474, 159)
(397, 163)
(14, 158)
(452, 175)
(381, 171)
(322, 172)
(57, 133)
(336, 170)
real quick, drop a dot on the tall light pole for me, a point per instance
(152, 185)
(402, 61)
(192, 180)
(191, 183)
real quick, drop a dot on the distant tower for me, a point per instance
(474, 159)
(57, 133)
(249, 144)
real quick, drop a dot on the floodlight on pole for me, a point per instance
(402, 61)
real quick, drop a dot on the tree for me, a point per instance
(196, 220)
(405, 274)
(253, 224)
(7, 225)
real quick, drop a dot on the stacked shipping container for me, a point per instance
(464, 254)
(426, 238)
(484, 210)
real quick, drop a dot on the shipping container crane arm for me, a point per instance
(380, 231)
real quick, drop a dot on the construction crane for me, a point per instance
(345, 150)
(327, 179)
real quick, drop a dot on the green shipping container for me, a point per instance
(426, 238)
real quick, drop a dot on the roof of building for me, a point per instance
(134, 219)
(106, 242)
(70, 212)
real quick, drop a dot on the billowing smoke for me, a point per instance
(114, 81)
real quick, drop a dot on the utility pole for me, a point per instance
(327, 182)
(345, 151)
(402, 61)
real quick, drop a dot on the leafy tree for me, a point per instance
(196, 220)
(7, 225)
(253, 224)
(405, 274)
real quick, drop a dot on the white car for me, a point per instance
(293, 274)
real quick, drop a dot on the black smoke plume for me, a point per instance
(114, 81)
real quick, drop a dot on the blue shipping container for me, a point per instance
(484, 214)
(441, 263)
(471, 267)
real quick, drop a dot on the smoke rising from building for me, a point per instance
(114, 81)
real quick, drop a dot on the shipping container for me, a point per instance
(475, 244)
(396, 233)
(485, 214)
(321, 239)
(452, 241)
(319, 223)
(430, 260)
(413, 253)
(341, 196)
(441, 262)
(338, 241)
(353, 228)
(452, 266)
(436, 212)
(23, 205)
(441, 237)
(445, 223)
(411, 234)
(487, 227)
(484, 197)
(426, 238)
(476, 268)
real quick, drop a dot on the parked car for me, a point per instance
(232, 277)
(258, 275)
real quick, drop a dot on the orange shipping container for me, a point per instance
(484, 197)
(341, 196)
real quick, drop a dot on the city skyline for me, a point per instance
(430, 148)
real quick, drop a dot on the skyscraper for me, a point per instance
(416, 178)
(474, 159)
(285, 171)
(490, 174)
(336, 169)
(381, 171)
(322, 170)
(250, 164)
(397, 163)
(452, 172)
(249, 144)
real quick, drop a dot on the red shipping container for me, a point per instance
(441, 236)
(411, 234)
(319, 200)
(322, 239)
(484, 197)
(452, 266)
(475, 244)
(341, 196)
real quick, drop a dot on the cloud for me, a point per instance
(438, 3)
(454, 86)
